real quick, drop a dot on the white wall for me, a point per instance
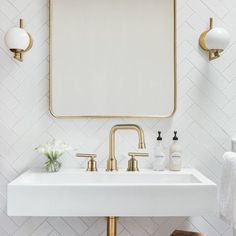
(205, 118)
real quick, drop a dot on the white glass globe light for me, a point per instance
(217, 38)
(17, 38)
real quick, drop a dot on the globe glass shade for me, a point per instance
(17, 38)
(217, 38)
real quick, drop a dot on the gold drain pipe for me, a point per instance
(111, 226)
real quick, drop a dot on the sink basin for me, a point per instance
(73, 192)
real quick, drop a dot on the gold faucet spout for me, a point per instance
(112, 162)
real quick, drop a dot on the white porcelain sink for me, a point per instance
(73, 192)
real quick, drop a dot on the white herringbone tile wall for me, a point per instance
(205, 118)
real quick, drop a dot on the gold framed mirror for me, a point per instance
(112, 58)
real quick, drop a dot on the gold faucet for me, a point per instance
(112, 162)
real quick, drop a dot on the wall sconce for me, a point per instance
(18, 41)
(214, 41)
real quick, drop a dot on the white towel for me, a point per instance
(227, 193)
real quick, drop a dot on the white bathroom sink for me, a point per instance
(73, 192)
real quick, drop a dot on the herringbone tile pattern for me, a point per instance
(205, 118)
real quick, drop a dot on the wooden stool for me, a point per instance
(186, 233)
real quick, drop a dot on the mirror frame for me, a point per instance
(107, 116)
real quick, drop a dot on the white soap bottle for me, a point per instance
(159, 163)
(175, 162)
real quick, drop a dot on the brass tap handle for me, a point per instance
(86, 155)
(92, 164)
(133, 163)
(138, 154)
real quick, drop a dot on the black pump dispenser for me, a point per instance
(175, 136)
(159, 138)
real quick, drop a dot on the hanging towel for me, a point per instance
(227, 191)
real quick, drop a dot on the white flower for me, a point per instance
(53, 149)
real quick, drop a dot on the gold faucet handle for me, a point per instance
(92, 164)
(133, 163)
(86, 155)
(138, 154)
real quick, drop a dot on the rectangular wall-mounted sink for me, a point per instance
(73, 192)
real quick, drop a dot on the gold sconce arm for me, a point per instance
(203, 36)
(213, 54)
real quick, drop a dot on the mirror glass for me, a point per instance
(112, 58)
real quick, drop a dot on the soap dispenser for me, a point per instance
(159, 163)
(175, 162)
